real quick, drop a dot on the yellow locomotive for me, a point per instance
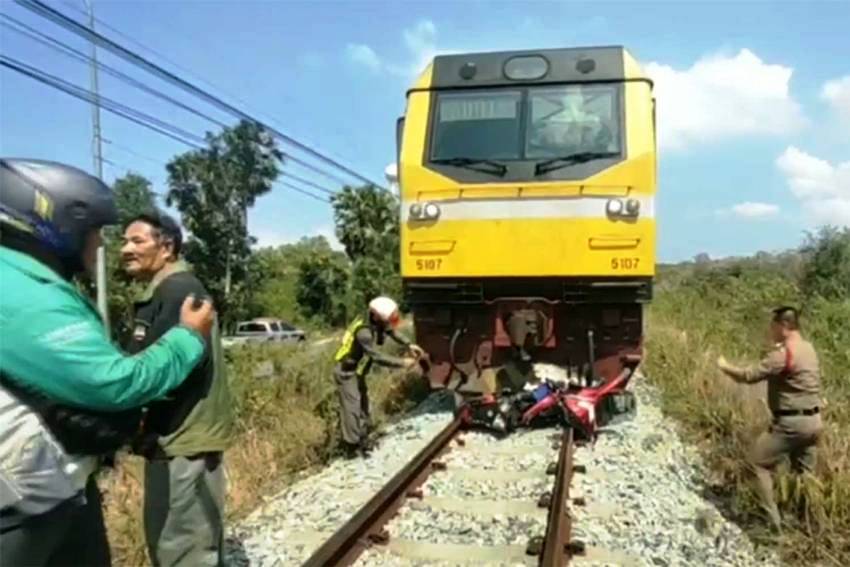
(527, 183)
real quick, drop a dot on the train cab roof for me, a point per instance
(531, 66)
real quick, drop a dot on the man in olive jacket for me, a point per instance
(185, 436)
(68, 396)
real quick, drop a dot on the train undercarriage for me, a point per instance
(499, 337)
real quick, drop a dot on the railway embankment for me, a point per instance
(703, 310)
(643, 490)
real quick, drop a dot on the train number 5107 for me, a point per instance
(624, 263)
(429, 265)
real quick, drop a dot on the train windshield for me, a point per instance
(535, 123)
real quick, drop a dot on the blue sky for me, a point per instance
(754, 98)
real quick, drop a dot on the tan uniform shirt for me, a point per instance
(793, 381)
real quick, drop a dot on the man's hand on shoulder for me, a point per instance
(198, 314)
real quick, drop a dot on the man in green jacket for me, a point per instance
(184, 436)
(67, 395)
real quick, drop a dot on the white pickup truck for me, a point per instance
(263, 330)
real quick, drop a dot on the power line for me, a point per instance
(303, 191)
(186, 71)
(308, 182)
(114, 107)
(80, 56)
(133, 152)
(127, 112)
(57, 45)
(84, 31)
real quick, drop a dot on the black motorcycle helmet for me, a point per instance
(47, 209)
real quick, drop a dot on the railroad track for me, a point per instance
(521, 485)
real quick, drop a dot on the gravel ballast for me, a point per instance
(642, 489)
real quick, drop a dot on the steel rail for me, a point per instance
(365, 527)
(556, 550)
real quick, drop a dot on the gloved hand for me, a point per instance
(416, 350)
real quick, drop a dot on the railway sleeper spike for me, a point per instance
(380, 537)
(545, 500)
(552, 468)
(535, 545)
(575, 547)
(416, 493)
(579, 501)
(580, 469)
(438, 465)
(461, 442)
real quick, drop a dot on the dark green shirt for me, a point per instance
(198, 415)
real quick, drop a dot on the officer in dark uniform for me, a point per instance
(793, 394)
(354, 359)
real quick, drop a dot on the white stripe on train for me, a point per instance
(529, 208)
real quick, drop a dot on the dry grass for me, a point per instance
(688, 330)
(287, 424)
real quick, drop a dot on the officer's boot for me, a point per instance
(350, 450)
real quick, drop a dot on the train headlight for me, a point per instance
(614, 207)
(632, 207)
(424, 211)
(432, 211)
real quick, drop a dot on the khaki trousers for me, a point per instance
(793, 436)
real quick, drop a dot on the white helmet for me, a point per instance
(385, 310)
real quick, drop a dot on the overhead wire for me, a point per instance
(84, 58)
(182, 68)
(282, 173)
(126, 112)
(132, 152)
(308, 182)
(79, 29)
(303, 191)
(57, 45)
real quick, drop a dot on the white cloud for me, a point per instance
(837, 93)
(364, 55)
(722, 97)
(750, 210)
(420, 42)
(267, 236)
(823, 189)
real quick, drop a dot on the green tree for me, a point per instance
(322, 287)
(133, 195)
(213, 189)
(367, 226)
(276, 294)
(827, 271)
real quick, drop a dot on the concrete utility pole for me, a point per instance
(98, 171)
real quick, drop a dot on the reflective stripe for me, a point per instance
(348, 340)
(363, 365)
(529, 208)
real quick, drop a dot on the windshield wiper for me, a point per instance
(563, 161)
(496, 168)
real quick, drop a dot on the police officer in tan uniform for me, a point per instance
(793, 396)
